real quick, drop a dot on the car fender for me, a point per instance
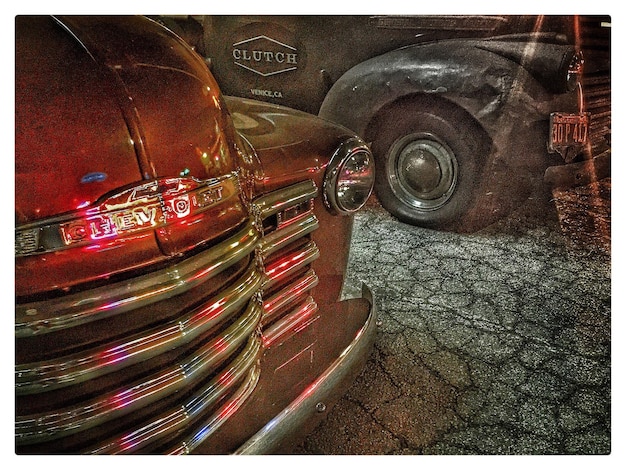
(487, 78)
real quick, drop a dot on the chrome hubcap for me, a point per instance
(422, 171)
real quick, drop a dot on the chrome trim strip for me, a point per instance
(290, 324)
(86, 415)
(283, 236)
(284, 266)
(155, 199)
(302, 408)
(287, 296)
(217, 419)
(181, 416)
(53, 374)
(55, 314)
(279, 200)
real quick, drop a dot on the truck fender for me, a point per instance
(441, 115)
(477, 75)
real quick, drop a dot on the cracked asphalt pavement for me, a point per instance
(497, 342)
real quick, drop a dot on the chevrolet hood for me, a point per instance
(117, 116)
(103, 103)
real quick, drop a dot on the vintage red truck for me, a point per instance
(179, 255)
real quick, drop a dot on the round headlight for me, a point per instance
(349, 178)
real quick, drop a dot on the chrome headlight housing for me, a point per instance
(349, 178)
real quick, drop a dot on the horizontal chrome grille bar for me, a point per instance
(55, 314)
(178, 418)
(290, 263)
(56, 373)
(217, 419)
(85, 415)
(280, 238)
(277, 201)
(289, 295)
(291, 323)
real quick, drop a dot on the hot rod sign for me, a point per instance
(265, 56)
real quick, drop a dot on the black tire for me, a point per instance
(429, 158)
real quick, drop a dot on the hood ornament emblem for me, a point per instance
(146, 206)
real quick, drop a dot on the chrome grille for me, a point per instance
(167, 387)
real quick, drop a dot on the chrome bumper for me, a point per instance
(331, 383)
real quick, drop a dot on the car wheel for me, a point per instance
(429, 161)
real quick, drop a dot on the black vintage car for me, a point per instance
(464, 113)
(179, 256)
